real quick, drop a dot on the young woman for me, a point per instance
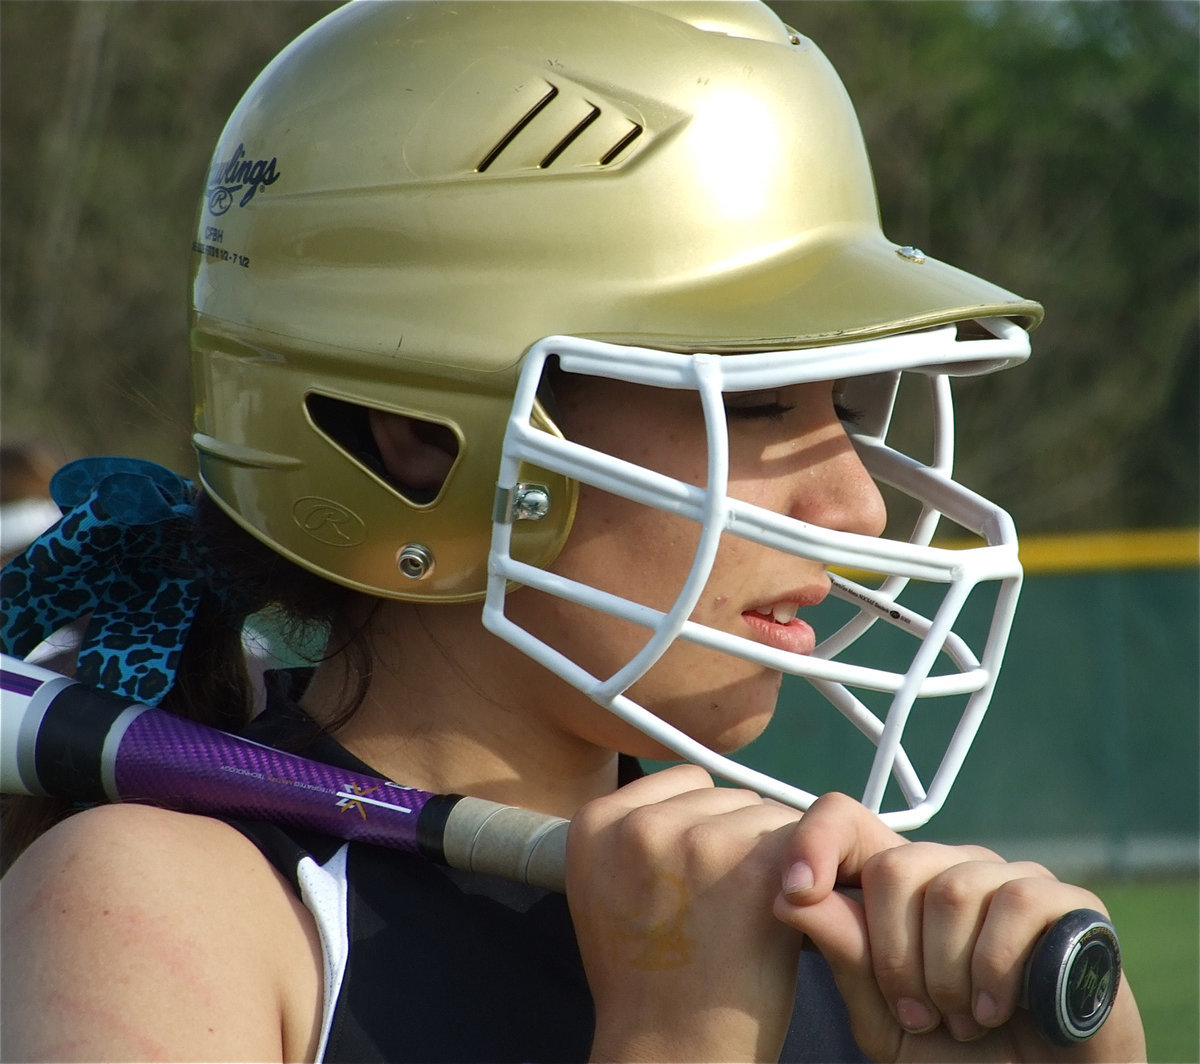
(543, 357)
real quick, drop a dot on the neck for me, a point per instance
(452, 709)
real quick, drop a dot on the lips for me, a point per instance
(776, 625)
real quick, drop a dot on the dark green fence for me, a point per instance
(1088, 758)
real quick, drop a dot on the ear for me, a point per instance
(417, 454)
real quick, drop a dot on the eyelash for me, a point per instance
(847, 414)
(762, 411)
(776, 411)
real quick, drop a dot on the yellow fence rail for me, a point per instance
(1167, 548)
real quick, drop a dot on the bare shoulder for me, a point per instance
(154, 935)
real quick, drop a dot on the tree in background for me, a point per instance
(1053, 148)
(1050, 147)
(108, 116)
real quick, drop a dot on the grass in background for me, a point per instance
(1159, 925)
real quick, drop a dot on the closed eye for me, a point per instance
(765, 405)
(771, 411)
(847, 415)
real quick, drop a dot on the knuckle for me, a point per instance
(703, 840)
(894, 969)
(834, 804)
(586, 828)
(1018, 894)
(1032, 870)
(972, 852)
(690, 777)
(639, 827)
(604, 830)
(709, 849)
(888, 869)
(590, 816)
(951, 892)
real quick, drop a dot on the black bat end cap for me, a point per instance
(1073, 977)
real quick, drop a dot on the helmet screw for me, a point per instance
(531, 502)
(911, 253)
(415, 561)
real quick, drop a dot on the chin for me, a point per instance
(725, 715)
(740, 736)
(726, 724)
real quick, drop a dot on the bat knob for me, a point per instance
(1072, 978)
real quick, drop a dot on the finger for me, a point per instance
(676, 826)
(837, 926)
(832, 842)
(659, 786)
(895, 883)
(955, 907)
(1021, 910)
(649, 790)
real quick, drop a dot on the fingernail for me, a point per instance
(914, 1016)
(798, 878)
(986, 1009)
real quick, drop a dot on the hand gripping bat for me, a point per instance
(60, 738)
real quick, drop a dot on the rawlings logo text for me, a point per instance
(239, 174)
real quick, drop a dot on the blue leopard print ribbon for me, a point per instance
(123, 552)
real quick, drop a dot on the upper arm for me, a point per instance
(132, 933)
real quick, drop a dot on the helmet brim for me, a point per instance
(836, 290)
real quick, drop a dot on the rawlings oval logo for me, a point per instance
(329, 522)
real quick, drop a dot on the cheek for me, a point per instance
(644, 555)
(632, 551)
(627, 549)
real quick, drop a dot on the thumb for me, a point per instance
(829, 846)
(836, 925)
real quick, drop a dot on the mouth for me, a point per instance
(780, 612)
(776, 624)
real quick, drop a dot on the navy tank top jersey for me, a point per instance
(424, 963)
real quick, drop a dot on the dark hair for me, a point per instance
(212, 684)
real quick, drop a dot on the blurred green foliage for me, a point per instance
(1049, 146)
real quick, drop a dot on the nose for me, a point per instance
(835, 491)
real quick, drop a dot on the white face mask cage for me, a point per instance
(873, 367)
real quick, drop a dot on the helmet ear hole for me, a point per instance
(417, 454)
(413, 455)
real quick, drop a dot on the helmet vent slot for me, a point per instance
(563, 144)
(544, 141)
(513, 133)
(621, 145)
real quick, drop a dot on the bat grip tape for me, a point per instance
(475, 835)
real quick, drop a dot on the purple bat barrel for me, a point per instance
(75, 742)
(60, 738)
(234, 777)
